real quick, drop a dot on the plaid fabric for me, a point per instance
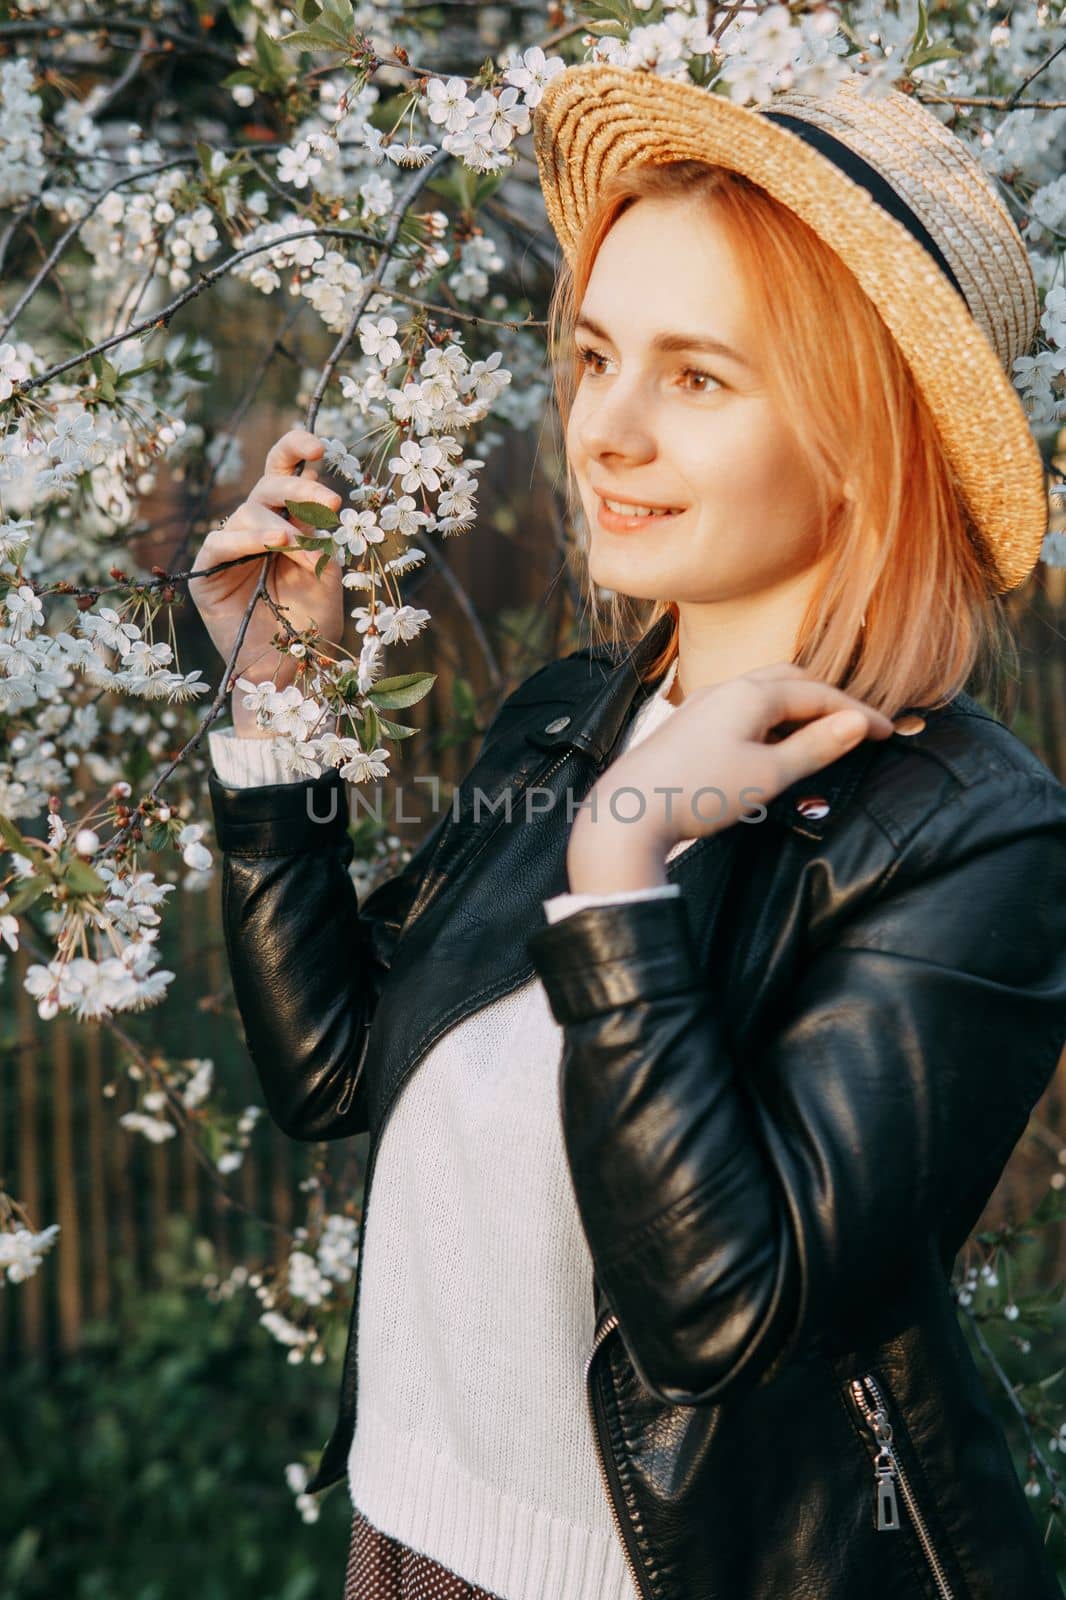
(380, 1568)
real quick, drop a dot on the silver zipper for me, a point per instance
(418, 905)
(608, 1326)
(888, 1470)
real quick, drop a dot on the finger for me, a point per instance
(799, 699)
(818, 743)
(248, 529)
(296, 445)
(276, 489)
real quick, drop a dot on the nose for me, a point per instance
(615, 423)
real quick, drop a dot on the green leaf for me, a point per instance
(211, 1140)
(390, 694)
(29, 890)
(1051, 1208)
(463, 699)
(934, 52)
(13, 838)
(370, 731)
(311, 512)
(316, 38)
(79, 876)
(268, 52)
(395, 730)
(106, 378)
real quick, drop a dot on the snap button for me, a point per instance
(813, 806)
(910, 723)
(557, 725)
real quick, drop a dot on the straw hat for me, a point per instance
(904, 204)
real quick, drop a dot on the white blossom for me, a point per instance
(22, 1250)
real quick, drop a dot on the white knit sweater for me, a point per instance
(473, 1442)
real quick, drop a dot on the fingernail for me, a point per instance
(848, 724)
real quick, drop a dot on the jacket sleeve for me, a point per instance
(739, 1207)
(306, 963)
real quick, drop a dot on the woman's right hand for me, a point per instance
(259, 522)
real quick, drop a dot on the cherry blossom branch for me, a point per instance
(195, 44)
(161, 318)
(1052, 1476)
(174, 1101)
(1035, 74)
(474, 318)
(71, 232)
(406, 199)
(373, 286)
(931, 96)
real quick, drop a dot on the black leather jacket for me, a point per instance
(786, 1098)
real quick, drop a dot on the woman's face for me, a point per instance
(682, 426)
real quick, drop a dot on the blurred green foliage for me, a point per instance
(151, 1464)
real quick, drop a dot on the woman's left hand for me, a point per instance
(722, 754)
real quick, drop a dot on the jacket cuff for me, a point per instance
(612, 955)
(280, 819)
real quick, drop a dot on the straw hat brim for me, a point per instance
(595, 120)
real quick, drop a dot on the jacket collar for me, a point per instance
(595, 718)
(600, 712)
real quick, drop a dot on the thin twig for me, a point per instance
(1009, 1390)
(29, 28)
(161, 318)
(464, 316)
(1036, 73)
(392, 233)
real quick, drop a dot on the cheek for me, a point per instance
(733, 461)
(573, 430)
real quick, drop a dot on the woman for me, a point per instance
(695, 1036)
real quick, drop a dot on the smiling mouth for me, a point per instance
(620, 509)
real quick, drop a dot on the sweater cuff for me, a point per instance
(612, 955)
(562, 905)
(242, 763)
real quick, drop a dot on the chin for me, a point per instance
(625, 578)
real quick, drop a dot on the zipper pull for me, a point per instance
(887, 1508)
(884, 1472)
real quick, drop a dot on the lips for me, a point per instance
(633, 518)
(634, 508)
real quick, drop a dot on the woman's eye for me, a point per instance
(586, 356)
(695, 372)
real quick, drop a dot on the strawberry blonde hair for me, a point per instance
(910, 558)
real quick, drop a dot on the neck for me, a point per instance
(724, 639)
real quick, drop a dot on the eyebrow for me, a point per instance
(672, 342)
